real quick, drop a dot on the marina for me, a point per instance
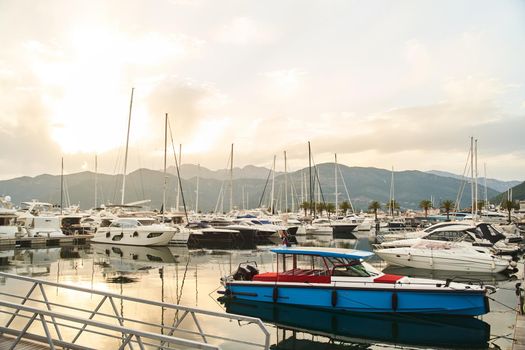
(243, 175)
(189, 278)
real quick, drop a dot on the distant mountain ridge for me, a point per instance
(363, 184)
(498, 185)
(188, 171)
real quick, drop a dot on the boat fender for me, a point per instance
(275, 294)
(409, 256)
(334, 298)
(394, 301)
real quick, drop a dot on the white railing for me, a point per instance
(63, 325)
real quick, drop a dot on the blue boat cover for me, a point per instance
(328, 252)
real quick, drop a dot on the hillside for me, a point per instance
(364, 185)
(497, 185)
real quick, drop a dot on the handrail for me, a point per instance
(108, 296)
(137, 333)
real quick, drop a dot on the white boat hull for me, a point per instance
(447, 260)
(144, 237)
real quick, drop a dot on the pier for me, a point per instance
(519, 333)
(42, 241)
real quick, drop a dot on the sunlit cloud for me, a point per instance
(244, 30)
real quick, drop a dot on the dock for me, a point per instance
(519, 333)
(43, 241)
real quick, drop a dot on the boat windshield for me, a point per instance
(348, 267)
(323, 266)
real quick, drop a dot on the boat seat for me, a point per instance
(387, 278)
(283, 277)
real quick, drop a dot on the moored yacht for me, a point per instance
(134, 231)
(447, 256)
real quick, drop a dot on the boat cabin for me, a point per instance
(314, 265)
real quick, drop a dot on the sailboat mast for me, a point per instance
(127, 146)
(472, 176)
(273, 185)
(285, 184)
(165, 156)
(475, 179)
(336, 193)
(96, 182)
(62, 186)
(310, 183)
(486, 195)
(231, 179)
(392, 193)
(197, 189)
(178, 187)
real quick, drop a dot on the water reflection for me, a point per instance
(190, 277)
(447, 332)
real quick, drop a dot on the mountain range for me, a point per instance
(250, 187)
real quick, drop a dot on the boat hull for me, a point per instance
(136, 238)
(443, 260)
(359, 299)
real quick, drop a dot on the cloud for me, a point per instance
(242, 31)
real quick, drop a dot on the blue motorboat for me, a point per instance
(340, 279)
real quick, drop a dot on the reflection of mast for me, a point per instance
(162, 310)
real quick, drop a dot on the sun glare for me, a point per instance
(90, 113)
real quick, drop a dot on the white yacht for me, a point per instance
(8, 224)
(135, 231)
(447, 256)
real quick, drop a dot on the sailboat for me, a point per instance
(133, 230)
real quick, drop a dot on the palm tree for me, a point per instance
(447, 205)
(374, 207)
(509, 205)
(481, 205)
(344, 206)
(305, 206)
(392, 205)
(321, 206)
(425, 204)
(330, 208)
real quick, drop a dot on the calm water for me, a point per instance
(191, 278)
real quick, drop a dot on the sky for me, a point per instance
(380, 83)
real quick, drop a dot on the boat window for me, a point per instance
(302, 264)
(348, 267)
(115, 224)
(356, 270)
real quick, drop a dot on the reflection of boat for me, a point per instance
(338, 279)
(125, 258)
(434, 331)
(458, 276)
